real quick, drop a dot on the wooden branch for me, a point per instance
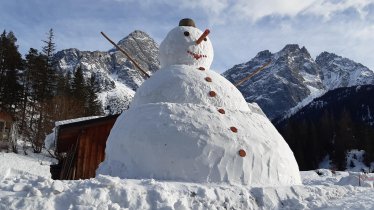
(252, 74)
(127, 55)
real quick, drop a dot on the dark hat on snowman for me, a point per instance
(187, 22)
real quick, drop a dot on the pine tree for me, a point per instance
(78, 85)
(344, 139)
(93, 106)
(27, 96)
(35, 95)
(41, 80)
(50, 72)
(11, 64)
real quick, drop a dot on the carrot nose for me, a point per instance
(202, 37)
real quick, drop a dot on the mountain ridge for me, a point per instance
(294, 78)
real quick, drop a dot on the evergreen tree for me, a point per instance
(11, 65)
(41, 79)
(49, 71)
(64, 85)
(48, 90)
(27, 96)
(345, 139)
(93, 106)
(36, 97)
(79, 86)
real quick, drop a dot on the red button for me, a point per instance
(212, 93)
(208, 79)
(242, 153)
(233, 129)
(222, 111)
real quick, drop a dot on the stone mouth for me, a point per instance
(195, 55)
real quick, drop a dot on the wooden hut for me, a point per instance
(80, 147)
(6, 122)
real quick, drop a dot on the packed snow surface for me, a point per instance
(11, 163)
(192, 142)
(321, 189)
(188, 123)
(185, 84)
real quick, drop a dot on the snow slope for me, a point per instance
(24, 190)
(11, 163)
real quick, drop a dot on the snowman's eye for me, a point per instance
(186, 33)
(205, 39)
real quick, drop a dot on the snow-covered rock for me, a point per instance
(188, 123)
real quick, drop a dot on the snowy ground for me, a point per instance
(25, 184)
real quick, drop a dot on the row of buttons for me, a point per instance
(212, 93)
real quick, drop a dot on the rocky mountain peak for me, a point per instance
(342, 72)
(284, 83)
(325, 56)
(291, 48)
(142, 48)
(135, 35)
(266, 54)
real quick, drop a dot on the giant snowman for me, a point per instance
(188, 123)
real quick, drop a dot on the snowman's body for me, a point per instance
(187, 123)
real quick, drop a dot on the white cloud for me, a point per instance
(326, 8)
(255, 10)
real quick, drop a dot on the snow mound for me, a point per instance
(26, 191)
(192, 143)
(188, 123)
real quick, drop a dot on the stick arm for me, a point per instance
(252, 74)
(126, 54)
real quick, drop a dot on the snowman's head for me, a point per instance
(180, 47)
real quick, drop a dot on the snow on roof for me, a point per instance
(64, 122)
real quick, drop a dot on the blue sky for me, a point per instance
(239, 28)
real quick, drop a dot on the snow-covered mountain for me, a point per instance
(115, 74)
(342, 72)
(294, 78)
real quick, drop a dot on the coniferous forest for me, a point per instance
(36, 94)
(332, 125)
